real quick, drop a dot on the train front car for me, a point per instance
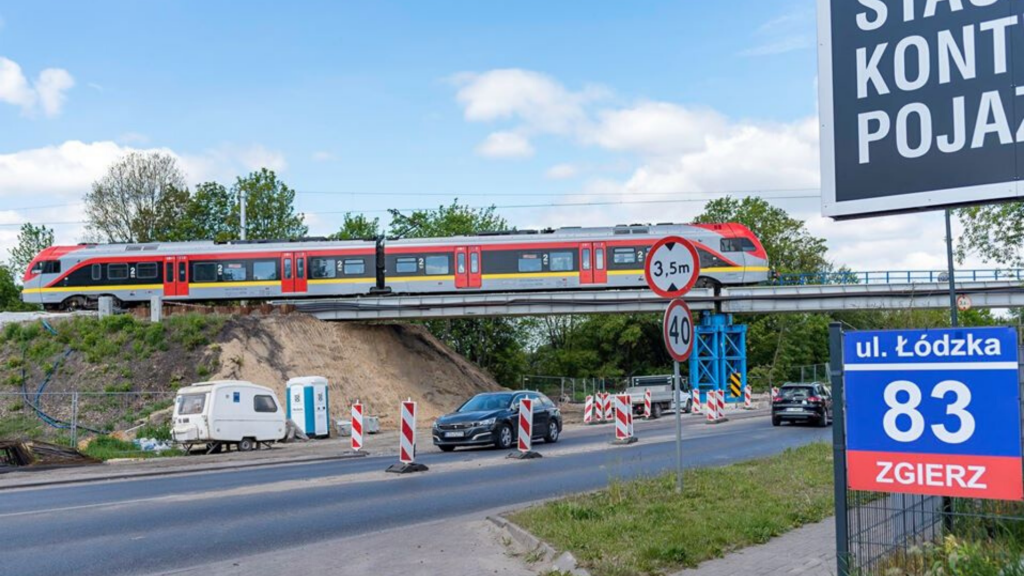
(730, 254)
(42, 274)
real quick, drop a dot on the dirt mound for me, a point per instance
(379, 364)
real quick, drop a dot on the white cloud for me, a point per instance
(226, 162)
(505, 145)
(561, 172)
(656, 128)
(48, 91)
(133, 138)
(323, 156)
(782, 34)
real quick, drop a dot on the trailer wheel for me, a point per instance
(656, 411)
(246, 444)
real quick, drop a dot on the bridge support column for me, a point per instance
(719, 359)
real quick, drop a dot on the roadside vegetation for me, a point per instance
(109, 448)
(644, 527)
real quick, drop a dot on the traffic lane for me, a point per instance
(152, 536)
(95, 493)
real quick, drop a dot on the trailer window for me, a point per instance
(323, 268)
(355, 267)
(405, 266)
(203, 273)
(264, 403)
(561, 261)
(97, 272)
(624, 256)
(234, 272)
(264, 270)
(117, 271)
(530, 263)
(437, 265)
(191, 404)
(147, 270)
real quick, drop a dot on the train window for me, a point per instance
(37, 268)
(355, 267)
(530, 263)
(405, 266)
(182, 268)
(474, 263)
(287, 268)
(203, 273)
(599, 257)
(300, 267)
(169, 272)
(561, 261)
(461, 263)
(147, 270)
(264, 270)
(97, 272)
(117, 271)
(624, 256)
(585, 264)
(437, 265)
(233, 272)
(51, 267)
(323, 268)
(738, 245)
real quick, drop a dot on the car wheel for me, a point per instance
(552, 436)
(246, 444)
(446, 448)
(776, 421)
(656, 411)
(504, 437)
(824, 419)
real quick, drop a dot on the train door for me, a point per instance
(300, 271)
(182, 280)
(461, 267)
(586, 263)
(287, 273)
(170, 273)
(600, 263)
(475, 267)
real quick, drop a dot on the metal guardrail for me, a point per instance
(896, 277)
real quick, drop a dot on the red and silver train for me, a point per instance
(68, 277)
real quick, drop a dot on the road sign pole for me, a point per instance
(954, 321)
(677, 385)
(835, 345)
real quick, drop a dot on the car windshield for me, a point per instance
(485, 402)
(191, 403)
(797, 391)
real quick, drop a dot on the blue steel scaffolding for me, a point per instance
(719, 359)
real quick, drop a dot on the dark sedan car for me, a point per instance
(802, 403)
(491, 419)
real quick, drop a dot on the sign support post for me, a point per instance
(677, 386)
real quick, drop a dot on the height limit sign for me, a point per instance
(672, 267)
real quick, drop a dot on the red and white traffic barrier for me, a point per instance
(525, 431)
(721, 404)
(407, 442)
(357, 427)
(588, 410)
(608, 408)
(623, 420)
(748, 401)
(647, 404)
(710, 412)
(695, 404)
(775, 392)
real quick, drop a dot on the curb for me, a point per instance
(564, 562)
(176, 472)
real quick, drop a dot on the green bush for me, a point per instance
(155, 432)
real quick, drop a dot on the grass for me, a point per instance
(644, 527)
(108, 448)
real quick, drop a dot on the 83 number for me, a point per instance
(909, 410)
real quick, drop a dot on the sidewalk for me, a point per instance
(808, 550)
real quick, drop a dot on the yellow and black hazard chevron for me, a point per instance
(734, 385)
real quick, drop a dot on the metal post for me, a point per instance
(74, 419)
(243, 231)
(677, 384)
(835, 345)
(954, 321)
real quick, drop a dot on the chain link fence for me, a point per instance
(567, 389)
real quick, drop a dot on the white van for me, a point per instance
(227, 412)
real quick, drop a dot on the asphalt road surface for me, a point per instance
(162, 524)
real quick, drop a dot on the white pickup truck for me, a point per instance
(661, 394)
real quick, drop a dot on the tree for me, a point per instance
(269, 208)
(453, 220)
(31, 241)
(10, 293)
(790, 247)
(357, 227)
(128, 204)
(993, 231)
(208, 215)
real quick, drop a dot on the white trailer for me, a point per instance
(227, 413)
(661, 388)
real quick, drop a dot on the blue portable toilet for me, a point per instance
(307, 405)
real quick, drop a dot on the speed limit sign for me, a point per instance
(672, 267)
(678, 329)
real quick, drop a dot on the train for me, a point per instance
(572, 258)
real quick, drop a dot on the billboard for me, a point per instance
(934, 412)
(919, 104)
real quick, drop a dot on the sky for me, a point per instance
(579, 112)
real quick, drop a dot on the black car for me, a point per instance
(803, 403)
(492, 418)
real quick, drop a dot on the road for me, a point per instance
(161, 524)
